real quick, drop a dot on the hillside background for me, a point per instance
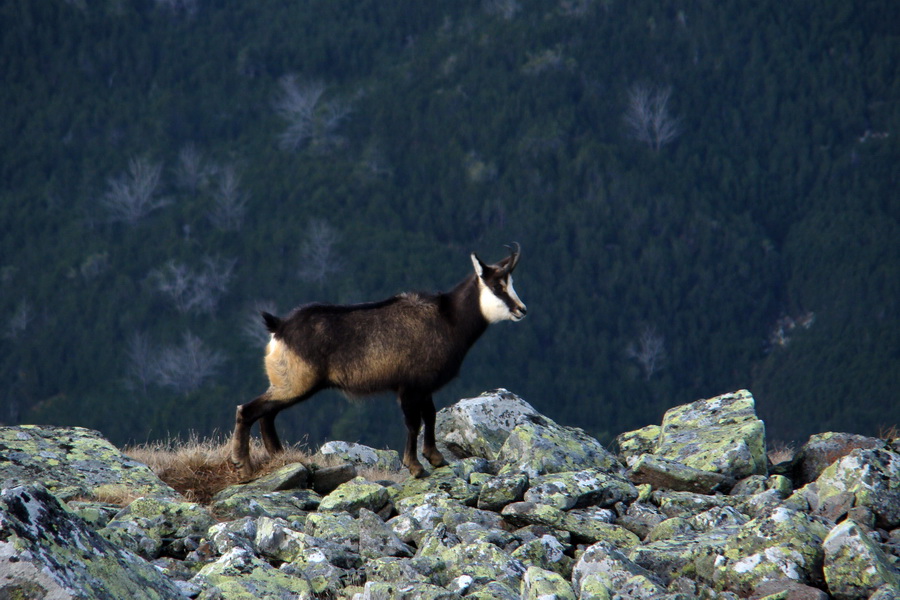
(706, 195)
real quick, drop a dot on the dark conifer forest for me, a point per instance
(705, 192)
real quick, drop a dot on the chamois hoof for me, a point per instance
(437, 460)
(417, 471)
(244, 469)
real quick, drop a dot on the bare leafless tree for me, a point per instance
(647, 116)
(229, 202)
(133, 195)
(318, 258)
(193, 290)
(20, 320)
(649, 351)
(192, 171)
(506, 9)
(185, 367)
(141, 369)
(309, 118)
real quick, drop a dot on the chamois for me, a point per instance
(411, 344)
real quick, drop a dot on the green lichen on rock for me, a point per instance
(786, 544)
(354, 495)
(479, 426)
(238, 575)
(869, 478)
(46, 551)
(152, 527)
(497, 492)
(243, 500)
(632, 444)
(540, 584)
(358, 454)
(721, 434)
(855, 567)
(540, 446)
(73, 462)
(440, 481)
(589, 487)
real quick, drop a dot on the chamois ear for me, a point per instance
(480, 267)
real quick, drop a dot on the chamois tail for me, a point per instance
(272, 322)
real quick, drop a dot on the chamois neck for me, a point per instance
(465, 308)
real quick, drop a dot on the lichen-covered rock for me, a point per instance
(540, 446)
(443, 480)
(497, 492)
(520, 514)
(479, 426)
(855, 567)
(354, 495)
(663, 473)
(692, 555)
(358, 454)
(240, 533)
(153, 527)
(482, 562)
(640, 518)
(411, 591)
(48, 552)
(685, 504)
(239, 575)
(541, 584)
(573, 489)
(246, 501)
(336, 527)
(602, 570)
(869, 478)
(74, 462)
(721, 434)
(633, 444)
(377, 539)
(591, 526)
(823, 449)
(546, 552)
(785, 544)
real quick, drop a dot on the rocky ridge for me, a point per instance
(689, 508)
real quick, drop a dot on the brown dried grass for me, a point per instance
(779, 452)
(200, 468)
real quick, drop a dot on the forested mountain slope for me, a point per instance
(705, 194)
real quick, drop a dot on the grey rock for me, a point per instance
(479, 426)
(722, 434)
(663, 473)
(48, 552)
(855, 567)
(823, 449)
(360, 455)
(499, 491)
(74, 462)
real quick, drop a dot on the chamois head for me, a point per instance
(497, 298)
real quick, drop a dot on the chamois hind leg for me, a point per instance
(429, 448)
(412, 415)
(261, 407)
(269, 434)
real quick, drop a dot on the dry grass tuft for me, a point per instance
(200, 468)
(780, 452)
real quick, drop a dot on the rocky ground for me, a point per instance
(690, 508)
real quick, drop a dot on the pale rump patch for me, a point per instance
(289, 375)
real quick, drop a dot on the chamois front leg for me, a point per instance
(429, 447)
(412, 415)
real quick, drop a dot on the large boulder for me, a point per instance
(540, 446)
(479, 426)
(855, 567)
(823, 449)
(787, 544)
(73, 462)
(862, 478)
(48, 552)
(721, 434)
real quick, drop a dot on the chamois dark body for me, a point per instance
(411, 344)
